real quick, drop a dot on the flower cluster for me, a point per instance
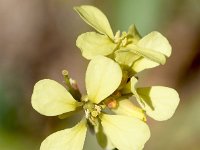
(111, 79)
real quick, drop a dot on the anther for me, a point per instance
(94, 113)
(87, 113)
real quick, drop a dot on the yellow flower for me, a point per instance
(128, 49)
(103, 77)
(159, 102)
(152, 49)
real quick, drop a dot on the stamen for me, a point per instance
(117, 37)
(92, 111)
(124, 42)
(71, 85)
(98, 108)
(87, 113)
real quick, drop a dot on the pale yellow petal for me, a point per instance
(68, 139)
(142, 64)
(125, 133)
(139, 58)
(95, 18)
(125, 57)
(127, 108)
(157, 42)
(93, 44)
(160, 102)
(102, 138)
(51, 99)
(133, 86)
(103, 77)
(150, 54)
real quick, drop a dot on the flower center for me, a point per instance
(92, 111)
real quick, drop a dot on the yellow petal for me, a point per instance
(51, 98)
(156, 42)
(133, 87)
(150, 54)
(68, 139)
(127, 108)
(142, 64)
(93, 44)
(139, 58)
(102, 138)
(95, 18)
(125, 133)
(103, 77)
(125, 57)
(160, 102)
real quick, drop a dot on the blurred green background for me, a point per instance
(37, 40)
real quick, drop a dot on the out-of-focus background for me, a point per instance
(37, 40)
